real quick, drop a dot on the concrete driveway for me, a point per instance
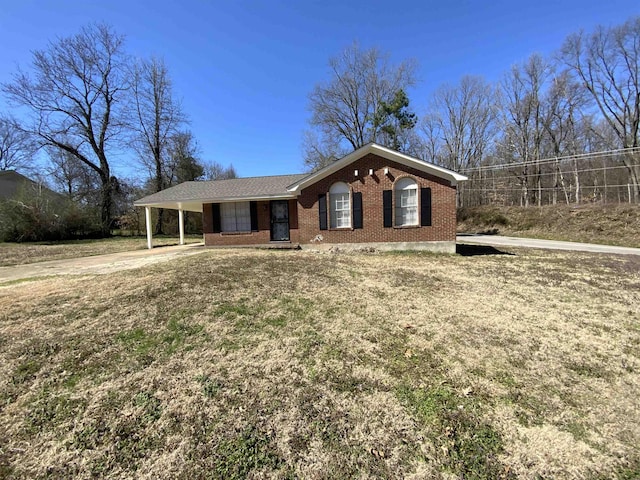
(98, 264)
(500, 241)
(113, 262)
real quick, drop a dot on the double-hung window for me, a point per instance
(340, 205)
(406, 201)
(235, 217)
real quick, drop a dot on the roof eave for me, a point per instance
(143, 203)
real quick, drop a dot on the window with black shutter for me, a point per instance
(217, 224)
(387, 208)
(425, 207)
(357, 210)
(322, 211)
(253, 208)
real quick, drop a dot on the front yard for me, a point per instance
(262, 364)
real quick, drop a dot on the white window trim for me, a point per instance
(398, 209)
(340, 219)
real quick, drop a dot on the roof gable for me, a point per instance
(383, 152)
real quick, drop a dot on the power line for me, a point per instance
(499, 189)
(543, 161)
(567, 172)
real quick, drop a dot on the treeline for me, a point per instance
(583, 99)
(526, 139)
(85, 102)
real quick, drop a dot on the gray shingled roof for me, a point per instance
(190, 194)
(12, 183)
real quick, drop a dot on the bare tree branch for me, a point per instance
(17, 147)
(75, 99)
(344, 109)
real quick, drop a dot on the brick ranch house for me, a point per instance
(374, 196)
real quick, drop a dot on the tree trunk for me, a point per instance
(634, 178)
(577, 178)
(564, 187)
(160, 222)
(106, 207)
(159, 187)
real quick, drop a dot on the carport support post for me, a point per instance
(181, 224)
(147, 219)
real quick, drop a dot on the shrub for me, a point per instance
(482, 216)
(45, 217)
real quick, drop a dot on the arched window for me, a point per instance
(340, 205)
(406, 202)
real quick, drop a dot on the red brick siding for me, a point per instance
(443, 198)
(262, 236)
(303, 213)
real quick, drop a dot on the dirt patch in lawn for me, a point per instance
(263, 364)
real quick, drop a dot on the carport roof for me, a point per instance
(191, 195)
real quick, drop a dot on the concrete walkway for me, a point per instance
(98, 264)
(500, 241)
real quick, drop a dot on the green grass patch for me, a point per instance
(250, 451)
(147, 345)
(210, 386)
(467, 446)
(26, 371)
(151, 408)
(50, 409)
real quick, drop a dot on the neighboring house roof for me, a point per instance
(381, 151)
(191, 195)
(13, 183)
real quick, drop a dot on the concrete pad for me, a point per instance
(98, 264)
(500, 241)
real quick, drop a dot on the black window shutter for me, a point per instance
(253, 210)
(387, 208)
(357, 209)
(322, 210)
(215, 209)
(425, 207)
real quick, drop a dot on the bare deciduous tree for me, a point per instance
(216, 171)
(460, 124)
(17, 147)
(320, 152)
(607, 64)
(563, 121)
(344, 109)
(463, 118)
(158, 116)
(183, 164)
(74, 98)
(523, 128)
(73, 177)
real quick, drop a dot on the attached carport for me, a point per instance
(192, 196)
(181, 206)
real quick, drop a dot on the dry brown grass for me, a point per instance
(259, 364)
(611, 224)
(23, 253)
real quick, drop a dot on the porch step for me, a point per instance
(280, 246)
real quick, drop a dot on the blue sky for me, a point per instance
(244, 69)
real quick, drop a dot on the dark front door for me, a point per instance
(279, 221)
